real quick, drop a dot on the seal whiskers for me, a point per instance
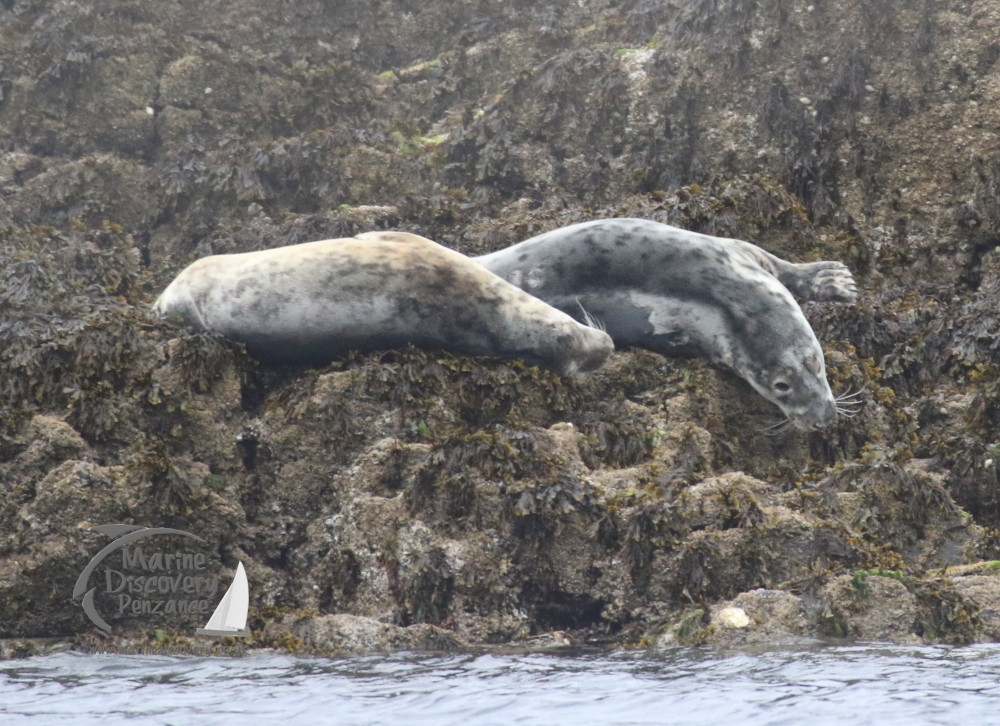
(776, 429)
(845, 404)
(849, 404)
(589, 320)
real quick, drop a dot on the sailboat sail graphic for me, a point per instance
(230, 617)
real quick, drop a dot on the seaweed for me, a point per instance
(424, 593)
(69, 331)
(947, 615)
(616, 436)
(651, 526)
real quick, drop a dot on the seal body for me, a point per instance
(685, 294)
(312, 302)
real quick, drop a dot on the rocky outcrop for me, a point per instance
(405, 499)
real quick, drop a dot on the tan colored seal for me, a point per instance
(312, 302)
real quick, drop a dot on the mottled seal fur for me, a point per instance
(312, 302)
(685, 294)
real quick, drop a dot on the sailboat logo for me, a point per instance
(230, 617)
(140, 579)
(125, 534)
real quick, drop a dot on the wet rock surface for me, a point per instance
(408, 499)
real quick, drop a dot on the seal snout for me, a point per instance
(828, 414)
(583, 350)
(594, 349)
(818, 417)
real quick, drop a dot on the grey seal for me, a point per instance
(312, 302)
(686, 294)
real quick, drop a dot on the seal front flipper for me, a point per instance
(827, 281)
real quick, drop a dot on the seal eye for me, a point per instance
(782, 387)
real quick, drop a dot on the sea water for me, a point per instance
(865, 684)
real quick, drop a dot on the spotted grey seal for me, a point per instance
(685, 294)
(312, 302)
